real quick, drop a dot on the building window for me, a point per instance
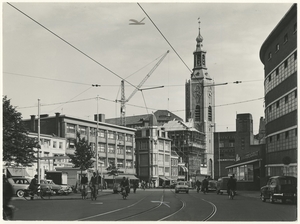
(286, 99)
(111, 149)
(120, 163)
(128, 150)
(277, 48)
(70, 128)
(295, 56)
(270, 108)
(60, 145)
(270, 56)
(71, 143)
(129, 138)
(82, 130)
(286, 134)
(285, 39)
(277, 71)
(285, 63)
(111, 135)
(54, 144)
(101, 147)
(278, 137)
(209, 113)
(120, 150)
(92, 132)
(277, 104)
(270, 138)
(101, 133)
(270, 78)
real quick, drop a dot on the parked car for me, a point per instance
(280, 187)
(222, 185)
(18, 185)
(182, 186)
(212, 185)
(50, 184)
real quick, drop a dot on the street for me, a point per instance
(155, 205)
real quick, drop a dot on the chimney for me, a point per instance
(100, 116)
(32, 123)
(57, 124)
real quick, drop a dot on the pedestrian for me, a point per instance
(135, 185)
(205, 185)
(198, 185)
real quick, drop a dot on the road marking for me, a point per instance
(162, 202)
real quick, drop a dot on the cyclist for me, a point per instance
(125, 185)
(34, 186)
(231, 185)
(198, 185)
(84, 182)
(93, 184)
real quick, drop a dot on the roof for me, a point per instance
(162, 116)
(176, 125)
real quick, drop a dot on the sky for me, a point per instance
(55, 52)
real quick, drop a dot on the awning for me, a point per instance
(163, 178)
(242, 163)
(17, 172)
(185, 169)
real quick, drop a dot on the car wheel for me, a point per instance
(262, 197)
(271, 198)
(20, 193)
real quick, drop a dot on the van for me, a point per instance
(222, 185)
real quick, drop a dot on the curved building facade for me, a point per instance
(279, 56)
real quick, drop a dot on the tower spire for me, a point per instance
(199, 38)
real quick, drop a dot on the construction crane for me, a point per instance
(124, 100)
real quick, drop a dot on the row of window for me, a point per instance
(242, 173)
(282, 141)
(111, 149)
(198, 113)
(283, 106)
(284, 70)
(285, 40)
(71, 128)
(47, 143)
(121, 163)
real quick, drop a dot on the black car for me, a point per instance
(280, 187)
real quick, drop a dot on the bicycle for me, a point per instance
(84, 191)
(42, 193)
(231, 194)
(93, 193)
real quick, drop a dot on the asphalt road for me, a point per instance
(155, 205)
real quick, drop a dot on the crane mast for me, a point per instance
(124, 100)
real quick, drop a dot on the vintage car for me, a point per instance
(182, 186)
(50, 184)
(222, 185)
(19, 184)
(280, 187)
(212, 185)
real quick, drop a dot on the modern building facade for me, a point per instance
(115, 144)
(278, 53)
(200, 102)
(243, 154)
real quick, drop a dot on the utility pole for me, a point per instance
(38, 152)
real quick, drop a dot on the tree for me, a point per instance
(83, 154)
(18, 148)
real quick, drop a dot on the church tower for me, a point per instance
(200, 104)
